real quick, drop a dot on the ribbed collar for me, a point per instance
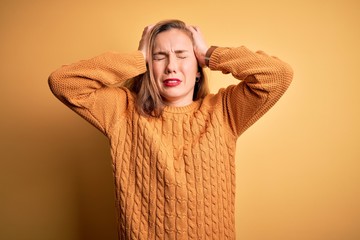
(185, 109)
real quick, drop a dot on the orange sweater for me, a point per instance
(174, 175)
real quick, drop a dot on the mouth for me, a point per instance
(171, 82)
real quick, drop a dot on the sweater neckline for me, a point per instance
(185, 109)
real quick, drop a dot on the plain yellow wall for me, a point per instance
(297, 167)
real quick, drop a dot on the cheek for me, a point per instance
(157, 70)
(191, 69)
(157, 73)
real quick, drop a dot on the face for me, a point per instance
(175, 67)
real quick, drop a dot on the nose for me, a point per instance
(171, 65)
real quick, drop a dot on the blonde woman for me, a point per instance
(172, 142)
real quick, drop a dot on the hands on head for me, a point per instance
(200, 46)
(144, 41)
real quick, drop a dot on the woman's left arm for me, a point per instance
(264, 79)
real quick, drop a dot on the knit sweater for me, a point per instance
(175, 174)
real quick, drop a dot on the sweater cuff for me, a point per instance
(208, 55)
(215, 55)
(140, 61)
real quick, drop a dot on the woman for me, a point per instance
(173, 143)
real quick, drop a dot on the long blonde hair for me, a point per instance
(148, 99)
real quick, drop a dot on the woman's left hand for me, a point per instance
(200, 46)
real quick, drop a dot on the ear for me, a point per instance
(198, 74)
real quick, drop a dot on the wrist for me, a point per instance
(208, 55)
(143, 53)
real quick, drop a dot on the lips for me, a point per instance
(172, 82)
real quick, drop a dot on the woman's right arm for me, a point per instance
(89, 86)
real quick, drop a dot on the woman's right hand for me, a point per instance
(144, 41)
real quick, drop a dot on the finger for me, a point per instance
(149, 28)
(193, 29)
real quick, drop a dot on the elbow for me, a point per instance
(52, 79)
(284, 75)
(55, 81)
(288, 73)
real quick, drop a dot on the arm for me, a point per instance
(87, 87)
(264, 81)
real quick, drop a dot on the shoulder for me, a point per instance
(216, 100)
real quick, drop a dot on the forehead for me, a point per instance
(173, 39)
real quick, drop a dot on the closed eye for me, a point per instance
(181, 56)
(159, 56)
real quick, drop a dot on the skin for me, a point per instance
(175, 63)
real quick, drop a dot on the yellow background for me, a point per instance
(297, 167)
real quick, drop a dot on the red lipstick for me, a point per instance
(172, 82)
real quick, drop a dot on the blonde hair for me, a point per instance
(148, 99)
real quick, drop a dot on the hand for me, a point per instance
(144, 41)
(200, 46)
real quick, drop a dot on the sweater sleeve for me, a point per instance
(264, 79)
(90, 87)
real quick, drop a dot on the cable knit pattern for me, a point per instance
(174, 175)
